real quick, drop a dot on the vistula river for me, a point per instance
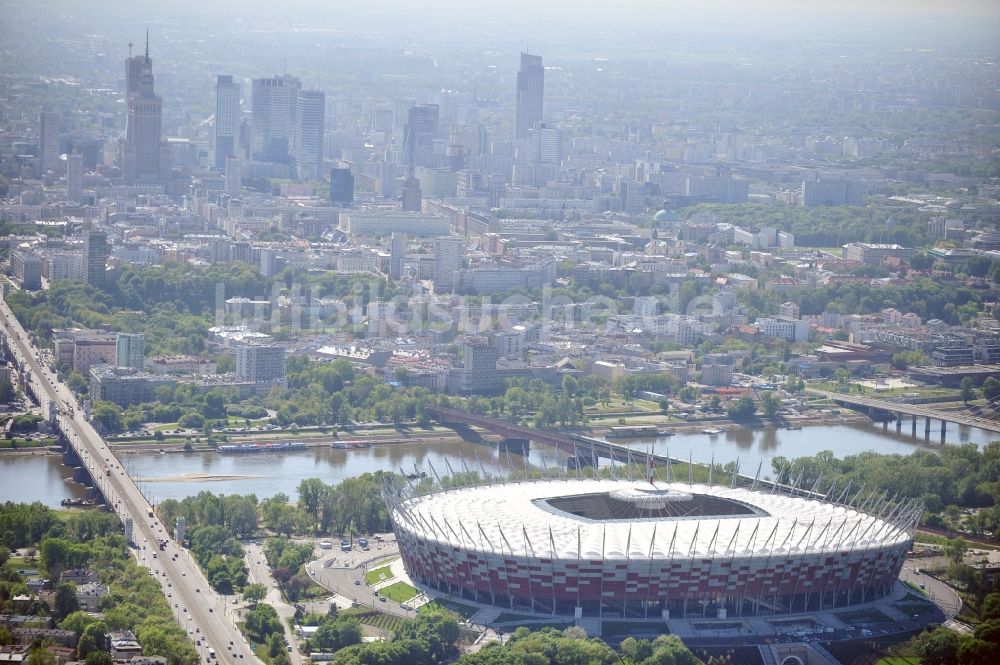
(176, 475)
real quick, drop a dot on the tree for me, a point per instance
(215, 405)
(311, 492)
(41, 656)
(65, 601)
(255, 593)
(663, 404)
(974, 651)
(990, 607)
(107, 416)
(938, 647)
(968, 390)
(955, 549)
(743, 409)
(991, 388)
(769, 404)
(99, 658)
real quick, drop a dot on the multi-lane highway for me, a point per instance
(195, 605)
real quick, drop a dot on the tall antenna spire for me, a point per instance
(147, 43)
(130, 49)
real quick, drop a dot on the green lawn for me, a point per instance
(399, 592)
(899, 660)
(377, 575)
(27, 443)
(461, 609)
(380, 620)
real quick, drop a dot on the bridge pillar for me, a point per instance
(885, 425)
(927, 426)
(944, 429)
(913, 432)
(70, 458)
(517, 446)
(899, 422)
(581, 461)
(80, 475)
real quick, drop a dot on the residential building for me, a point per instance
(124, 385)
(261, 363)
(130, 350)
(792, 330)
(26, 268)
(448, 254)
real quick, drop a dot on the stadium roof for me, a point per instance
(620, 519)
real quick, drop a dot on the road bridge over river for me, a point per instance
(196, 606)
(875, 407)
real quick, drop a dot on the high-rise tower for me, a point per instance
(272, 108)
(141, 154)
(419, 134)
(227, 119)
(95, 257)
(74, 177)
(48, 141)
(530, 94)
(310, 114)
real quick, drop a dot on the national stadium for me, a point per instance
(651, 549)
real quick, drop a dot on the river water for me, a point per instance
(176, 475)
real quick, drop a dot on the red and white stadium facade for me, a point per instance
(628, 548)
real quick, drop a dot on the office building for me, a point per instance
(48, 141)
(95, 257)
(448, 254)
(310, 114)
(342, 185)
(418, 135)
(26, 267)
(875, 253)
(530, 94)
(546, 145)
(379, 223)
(397, 254)
(272, 115)
(141, 160)
(478, 373)
(833, 193)
(130, 350)
(74, 177)
(261, 363)
(412, 198)
(234, 178)
(227, 119)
